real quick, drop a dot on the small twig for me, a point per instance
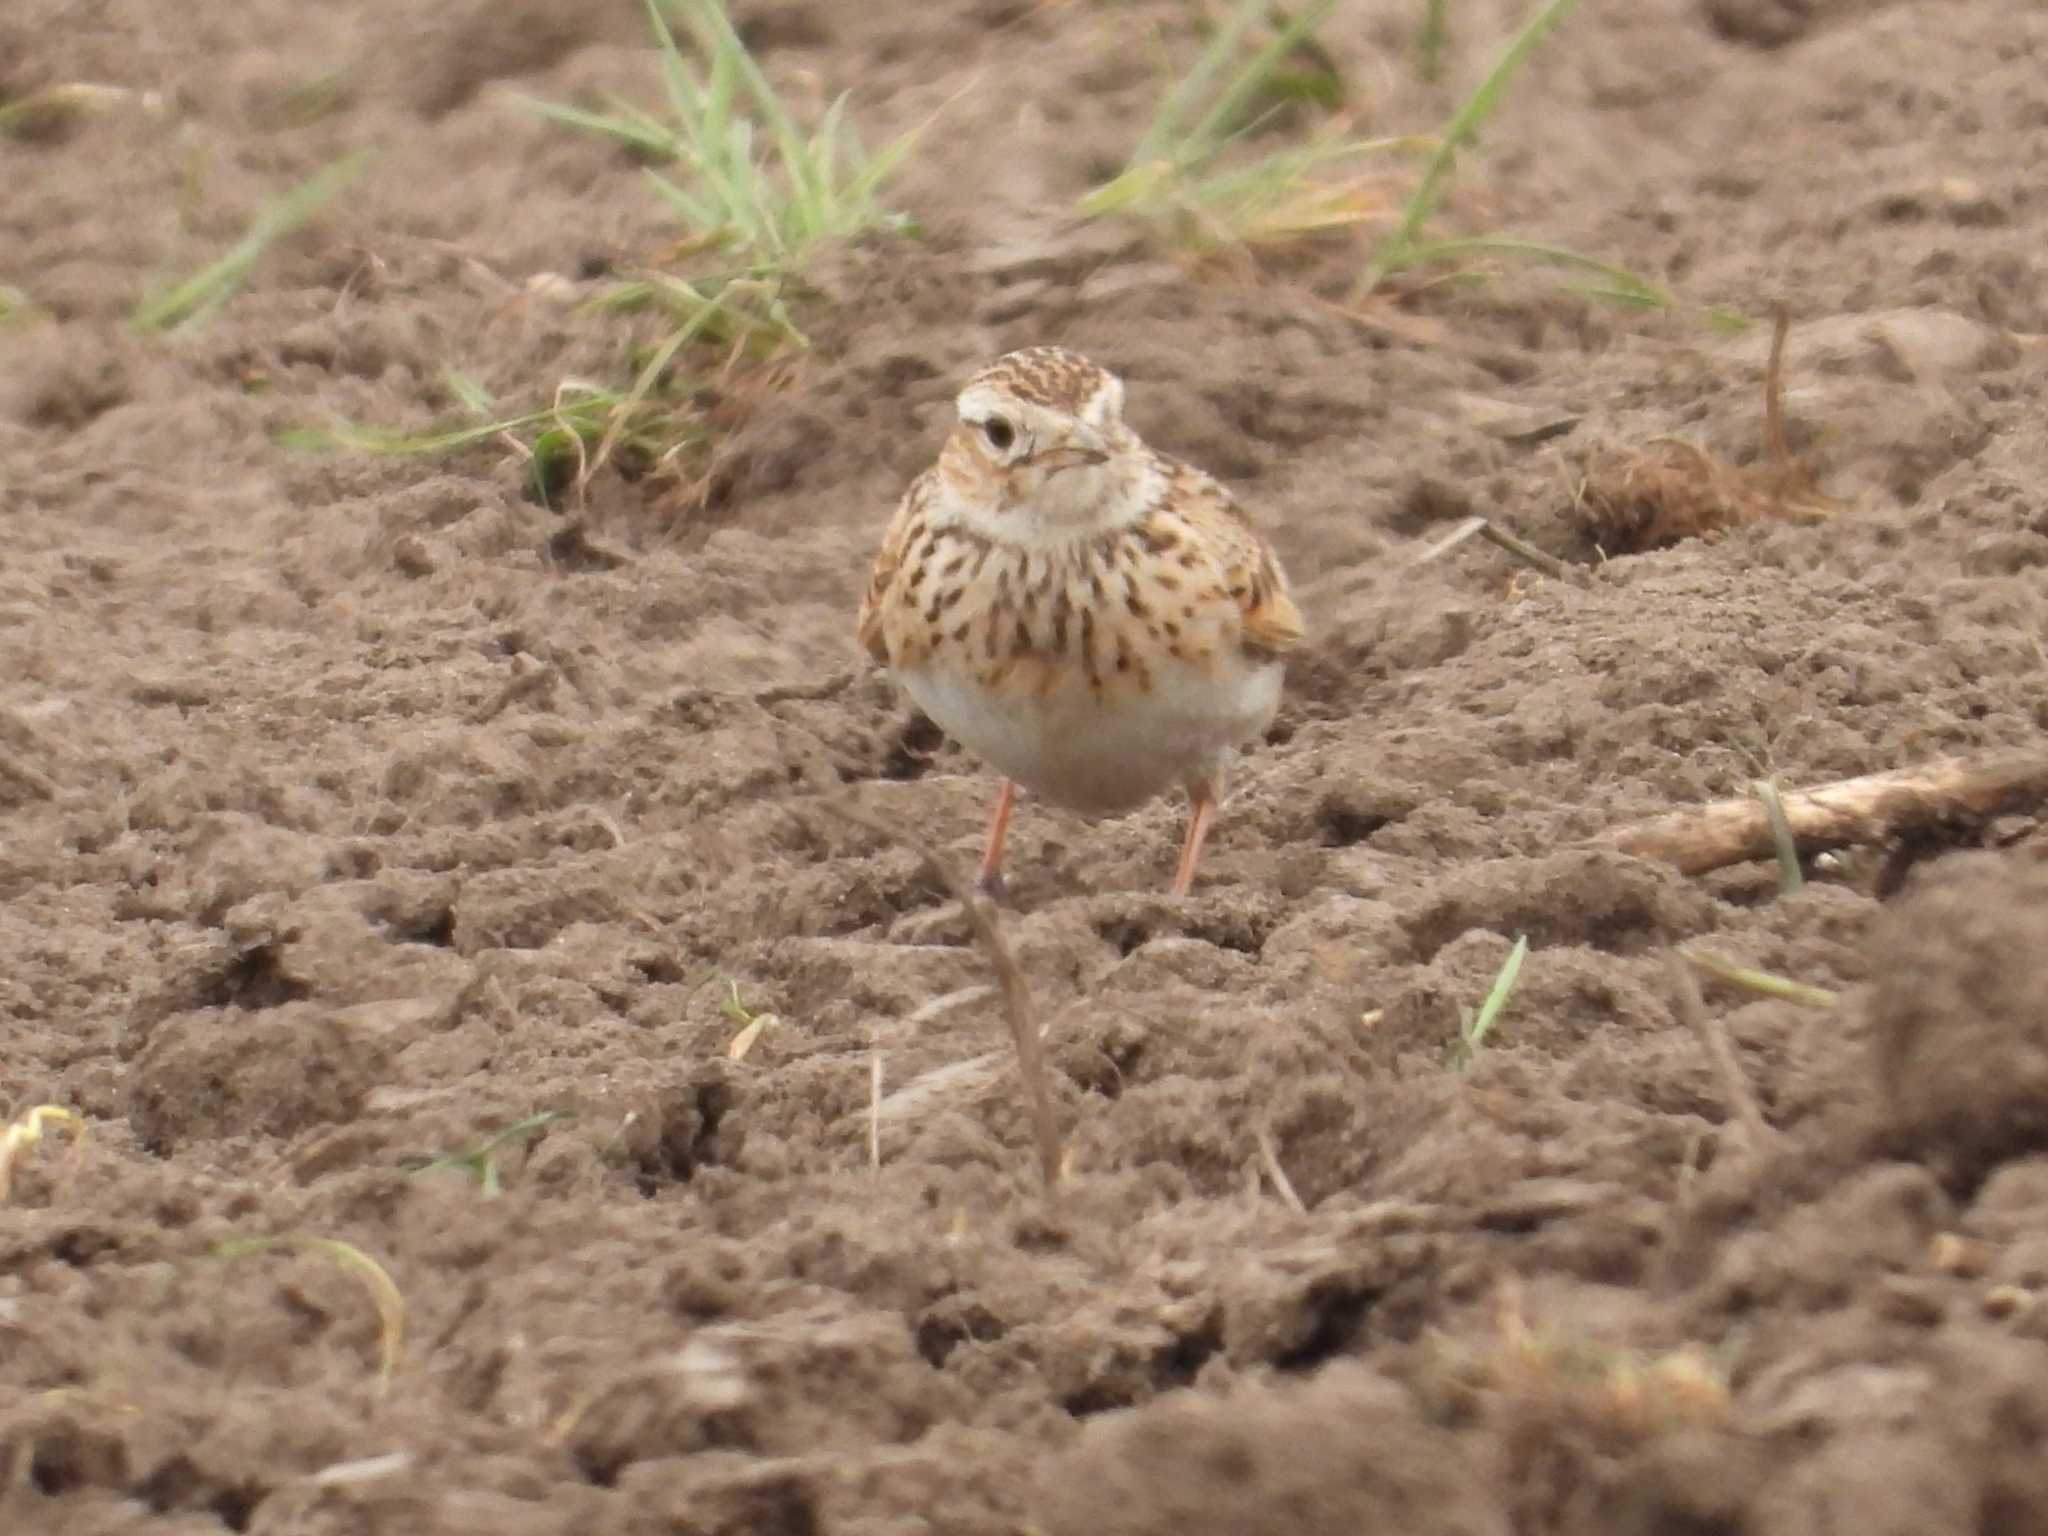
(34, 780)
(1528, 553)
(875, 1110)
(1281, 1183)
(829, 687)
(534, 679)
(1464, 530)
(1776, 449)
(1521, 549)
(1713, 1033)
(1870, 809)
(1017, 1007)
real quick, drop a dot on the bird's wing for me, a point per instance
(903, 529)
(1270, 624)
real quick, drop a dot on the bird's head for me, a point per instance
(1040, 454)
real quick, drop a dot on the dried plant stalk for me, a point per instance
(1017, 1005)
(1870, 809)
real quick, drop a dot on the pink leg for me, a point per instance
(990, 876)
(1203, 812)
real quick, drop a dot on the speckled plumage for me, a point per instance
(1094, 619)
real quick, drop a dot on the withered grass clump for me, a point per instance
(1551, 1384)
(1668, 490)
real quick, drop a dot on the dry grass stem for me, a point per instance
(1872, 809)
(29, 1129)
(1720, 1049)
(1269, 1157)
(384, 1292)
(1528, 553)
(1463, 530)
(1017, 1005)
(1519, 548)
(1763, 983)
(954, 1080)
(875, 1111)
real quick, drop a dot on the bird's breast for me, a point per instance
(1093, 749)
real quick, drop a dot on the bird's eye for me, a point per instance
(1000, 433)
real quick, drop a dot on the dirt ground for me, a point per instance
(354, 809)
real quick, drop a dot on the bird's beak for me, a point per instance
(1074, 458)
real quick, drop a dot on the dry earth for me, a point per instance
(353, 809)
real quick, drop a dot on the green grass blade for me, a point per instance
(1622, 283)
(643, 383)
(213, 285)
(1165, 129)
(1791, 877)
(1430, 38)
(692, 106)
(697, 215)
(626, 124)
(1213, 131)
(1497, 996)
(715, 29)
(745, 176)
(1765, 983)
(1475, 1027)
(824, 216)
(873, 170)
(472, 396)
(377, 440)
(1477, 108)
(1141, 183)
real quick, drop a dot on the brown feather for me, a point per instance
(904, 529)
(1270, 624)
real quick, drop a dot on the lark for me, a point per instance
(1093, 619)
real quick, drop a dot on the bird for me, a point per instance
(1095, 620)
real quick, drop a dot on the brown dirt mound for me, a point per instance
(358, 810)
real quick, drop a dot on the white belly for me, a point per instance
(1109, 754)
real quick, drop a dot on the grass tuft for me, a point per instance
(1604, 279)
(1668, 490)
(480, 1162)
(755, 194)
(205, 291)
(752, 181)
(384, 1293)
(1193, 172)
(1575, 1383)
(1399, 250)
(1185, 170)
